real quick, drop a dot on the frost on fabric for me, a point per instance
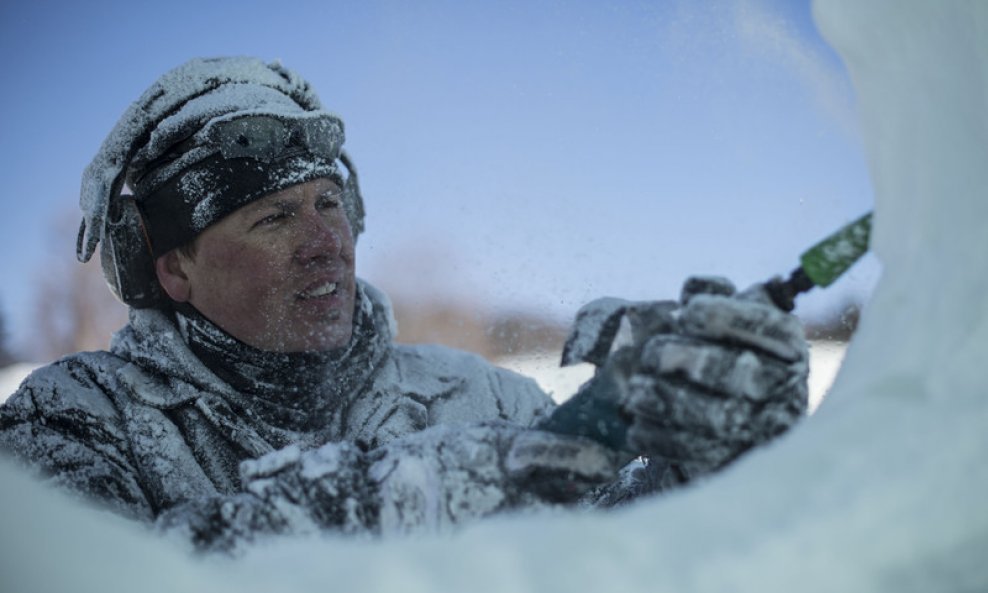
(325, 460)
(594, 330)
(220, 106)
(198, 185)
(197, 77)
(210, 191)
(295, 172)
(428, 378)
(751, 323)
(608, 323)
(270, 463)
(442, 477)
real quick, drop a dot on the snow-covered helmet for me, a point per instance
(205, 139)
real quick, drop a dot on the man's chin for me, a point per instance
(325, 338)
(306, 336)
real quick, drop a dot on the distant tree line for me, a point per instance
(471, 327)
(6, 355)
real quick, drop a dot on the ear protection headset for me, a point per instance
(126, 256)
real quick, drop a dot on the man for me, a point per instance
(256, 388)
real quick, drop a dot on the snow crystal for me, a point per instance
(594, 330)
(271, 463)
(323, 461)
(11, 377)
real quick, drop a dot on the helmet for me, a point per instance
(205, 139)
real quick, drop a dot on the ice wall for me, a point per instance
(920, 70)
(882, 490)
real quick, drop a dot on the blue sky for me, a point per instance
(520, 154)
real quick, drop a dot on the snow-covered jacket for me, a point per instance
(150, 431)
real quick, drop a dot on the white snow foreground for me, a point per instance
(882, 490)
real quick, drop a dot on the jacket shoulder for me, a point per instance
(63, 424)
(75, 384)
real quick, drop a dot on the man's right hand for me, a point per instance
(732, 375)
(697, 382)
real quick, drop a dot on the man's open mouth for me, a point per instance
(321, 290)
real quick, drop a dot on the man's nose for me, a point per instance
(319, 237)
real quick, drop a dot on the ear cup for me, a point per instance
(125, 253)
(353, 202)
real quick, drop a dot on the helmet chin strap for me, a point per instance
(355, 202)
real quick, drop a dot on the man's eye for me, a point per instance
(330, 201)
(271, 219)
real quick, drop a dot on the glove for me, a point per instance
(559, 468)
(729, 374)
(447, 475)
(285, 492)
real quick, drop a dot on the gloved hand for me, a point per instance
(558, 468)
(448, 475)
(288, 491)
(728, 373)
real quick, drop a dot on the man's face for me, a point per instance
(278, 273)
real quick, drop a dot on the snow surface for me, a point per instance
(881, 490)
(11, 377)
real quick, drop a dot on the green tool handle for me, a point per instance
(823, 263)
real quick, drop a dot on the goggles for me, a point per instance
(267, 137)
(259, 136)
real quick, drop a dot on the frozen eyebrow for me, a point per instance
(279, 205)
